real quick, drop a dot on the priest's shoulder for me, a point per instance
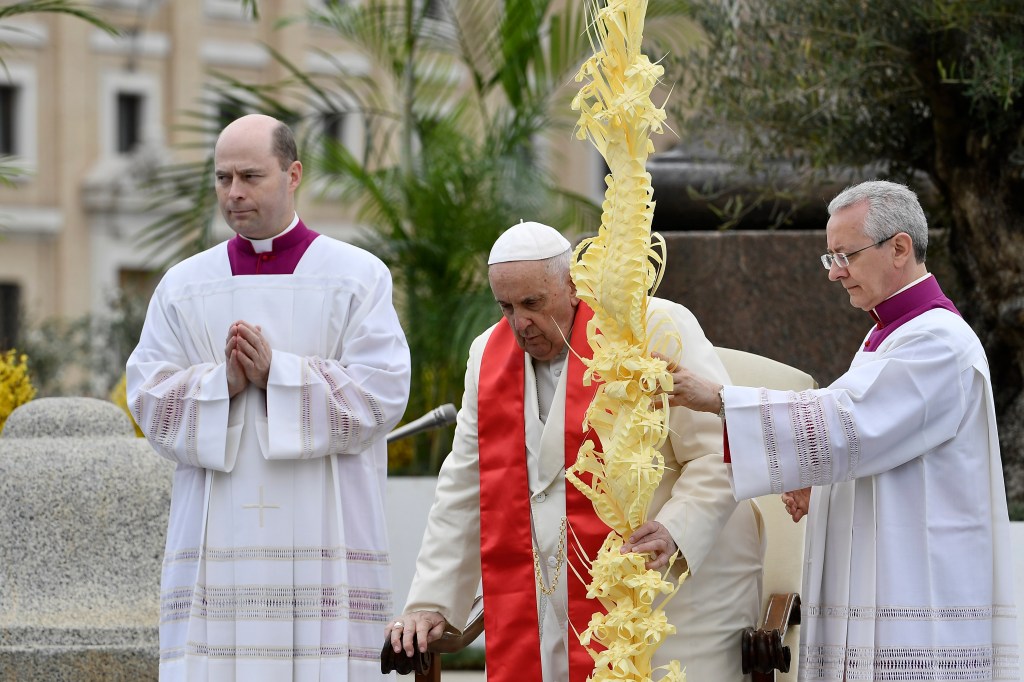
(210, 264)
(944, 327)
(343, 253)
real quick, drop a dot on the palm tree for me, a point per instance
(457, 102)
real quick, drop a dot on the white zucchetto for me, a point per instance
(528, 241)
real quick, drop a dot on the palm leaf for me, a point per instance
(55, 7)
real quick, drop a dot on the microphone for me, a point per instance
(436, 418)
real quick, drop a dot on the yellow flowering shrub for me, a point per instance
(16, 387)
(119, 396)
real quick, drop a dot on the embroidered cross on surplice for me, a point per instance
(261, 506)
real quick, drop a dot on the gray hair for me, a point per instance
(559, 265)
(892, 208)
(283, 146)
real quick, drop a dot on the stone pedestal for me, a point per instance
(83, 517)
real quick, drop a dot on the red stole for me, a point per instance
(506, 546)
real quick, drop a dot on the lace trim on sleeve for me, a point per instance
(346, 430)
(169, 414)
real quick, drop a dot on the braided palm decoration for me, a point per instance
(613, 273)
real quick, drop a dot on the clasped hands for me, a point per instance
(247, 355)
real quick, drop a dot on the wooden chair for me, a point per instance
(764, 650)
(767, 651)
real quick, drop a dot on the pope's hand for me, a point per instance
(426, 625)
(652, 538)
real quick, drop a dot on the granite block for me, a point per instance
(83, 515)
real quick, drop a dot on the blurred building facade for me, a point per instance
(87, 115)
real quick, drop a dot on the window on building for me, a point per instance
(332, 125)
(226, 9)
(10, 308)
(434, 9)
(340, 128)
(228, 109)
(19, 121)
(129, 112)
(8, 119)
(129, 121)
(138, 283)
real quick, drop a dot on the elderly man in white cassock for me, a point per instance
(908, 565)
(503, 511)
(270, 369)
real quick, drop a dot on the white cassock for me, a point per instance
(720, 539)
(908, 573)
(276, 564)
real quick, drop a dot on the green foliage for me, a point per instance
(928, 92)
(58, 351)
(457, 100)
(53, 7)
(85, 355)
(827, 84)
(10, 172)
(470, 658)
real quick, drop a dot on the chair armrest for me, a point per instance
(450, 642)
(762, 649)
(419, 663)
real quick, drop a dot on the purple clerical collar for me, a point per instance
(900, 308)
(282, 259)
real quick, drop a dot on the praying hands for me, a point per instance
(248, 357)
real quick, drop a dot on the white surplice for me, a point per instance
(276, 564)
(908, 570)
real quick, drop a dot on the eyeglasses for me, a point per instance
(843, 259)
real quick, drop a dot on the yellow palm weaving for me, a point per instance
(614, 273)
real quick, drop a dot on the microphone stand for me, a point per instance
(442, 415)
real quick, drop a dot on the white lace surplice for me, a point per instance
(276, 565)
(908, 570)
